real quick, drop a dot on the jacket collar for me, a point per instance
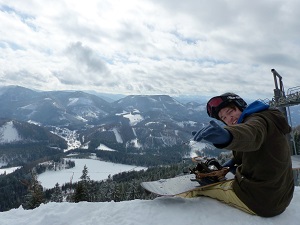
(254, 107)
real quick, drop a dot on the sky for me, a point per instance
(173, 47)
(160, 211)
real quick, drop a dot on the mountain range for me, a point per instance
(134, 122)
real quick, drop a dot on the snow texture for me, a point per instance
(134, 118)
(9, 133)
(160, 211)
(105, 148)
(98, 170)
(118, 136)
(8, 170)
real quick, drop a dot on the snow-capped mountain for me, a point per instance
(137, 121)
(155, 103)
(22, 142)
(132, 122)
(51, 108)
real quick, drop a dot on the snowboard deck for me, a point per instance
(177, 185)
(184, 186)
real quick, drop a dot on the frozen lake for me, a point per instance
(97, 170)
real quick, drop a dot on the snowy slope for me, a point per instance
(9, 133)
(160, 211)
(8, 170)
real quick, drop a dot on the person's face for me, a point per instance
(229, 115)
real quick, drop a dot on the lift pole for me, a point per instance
(282, 102)
(279, 92)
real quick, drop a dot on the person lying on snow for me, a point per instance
(263, 184)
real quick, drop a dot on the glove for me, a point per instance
(213, 133)
(197, 134)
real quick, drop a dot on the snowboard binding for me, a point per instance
(208, 171)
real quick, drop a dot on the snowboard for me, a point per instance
(185, 185)
(177, 185)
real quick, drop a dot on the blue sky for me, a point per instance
(173, 47)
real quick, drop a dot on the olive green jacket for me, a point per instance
(264, 180)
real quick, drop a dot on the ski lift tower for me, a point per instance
(283, 102)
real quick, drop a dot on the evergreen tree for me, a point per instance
(80, 193)
(85, 177)
(57, 195)
(83, 186)
(117, 195)
(133, 192)
(35, 195)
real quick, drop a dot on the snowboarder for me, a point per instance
(263, 183)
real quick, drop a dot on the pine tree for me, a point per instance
(80, 193)
(116, 195)
(57, 195)
(133, 194)
(85, 177)
(35, 195)
(83, 186)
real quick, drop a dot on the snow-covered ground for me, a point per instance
(9, 133)
(160, 211)
(105, 148)
(98, 170)
(134, 118)
(8, 170)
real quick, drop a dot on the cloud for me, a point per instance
(85, 58)
(150, 47)
(84, 67)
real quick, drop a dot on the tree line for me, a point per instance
(120, 187)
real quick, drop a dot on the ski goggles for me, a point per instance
(215, 104)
